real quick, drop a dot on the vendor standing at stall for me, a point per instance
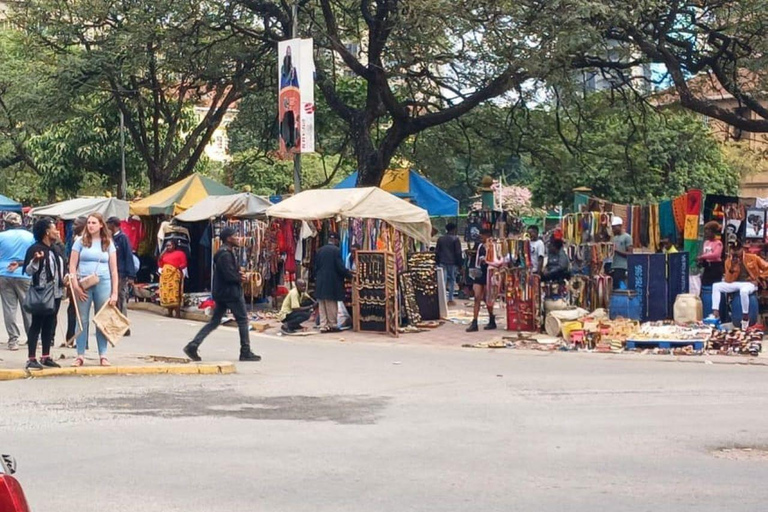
(330, 273)
(448, 257)
(622, 248)
(479, 275)
(171, 265)
(711, 257)
(538, 250)
(743, 273)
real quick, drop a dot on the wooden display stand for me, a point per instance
(523, 301)
(374, 293)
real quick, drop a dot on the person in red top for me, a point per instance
(171, 265)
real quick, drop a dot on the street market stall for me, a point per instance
(9, 205)
(81, 206)
(245, 213)
(65, 212)
(180, 196)
(409, 184)
(239, 206)
(151, 218)
(370, 219)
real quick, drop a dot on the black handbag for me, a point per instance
(39, 300)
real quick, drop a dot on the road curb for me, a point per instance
(87, 371)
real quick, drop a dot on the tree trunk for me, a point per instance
(372, 161)
(156, 179)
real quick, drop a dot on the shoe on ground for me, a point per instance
(711, 318)
(286, 330)
(491, 324)
(33, 365)
(13, 347)
(473, 326)
(48, 362)
(191, 352)
(249, 356)
(744, 325)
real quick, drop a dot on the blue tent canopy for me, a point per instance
(9, 205)
(421, 192)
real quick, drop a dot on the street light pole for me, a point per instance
(296, 156)
(123, 182)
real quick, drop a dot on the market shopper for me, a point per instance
(622, 248)
(297, 308)
(228, 294)
(329, 283)
(711, 257)
(479, 275)
(171, 265)
(558, 267)
(538, 251)
(93, 271)
(743, 273)
(45, 267)
(78, 226)
(448, 256)
(126, 269)
(14, 242)
(351, 265)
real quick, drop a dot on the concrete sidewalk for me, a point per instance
(129, 357)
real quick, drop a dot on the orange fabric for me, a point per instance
(678, 208)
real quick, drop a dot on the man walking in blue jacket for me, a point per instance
(14, 242)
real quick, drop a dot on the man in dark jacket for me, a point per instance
(126, 270)
(329, 282)
(228, 294)
(448, 255)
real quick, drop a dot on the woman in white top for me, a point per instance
(94, 253)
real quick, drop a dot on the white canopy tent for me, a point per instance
(362, 203)
(82, 206)
(242, 206)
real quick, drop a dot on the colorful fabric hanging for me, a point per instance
(654, 228)
(694, 202)
(678, 209)
(667, 226)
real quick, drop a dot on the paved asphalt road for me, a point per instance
(322, 425)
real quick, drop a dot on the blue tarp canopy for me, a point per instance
(408, 184)
(9, 205)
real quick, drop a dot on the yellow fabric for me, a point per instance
(397, 181)
(292, 301)
(672, 249)
(691, 227)
(171, 287)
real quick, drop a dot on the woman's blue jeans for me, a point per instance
(97, 296)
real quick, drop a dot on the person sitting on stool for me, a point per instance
(297, 308)
(558, 267)
(743, 272)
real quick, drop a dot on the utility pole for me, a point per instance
(296, 156)
(123, 182)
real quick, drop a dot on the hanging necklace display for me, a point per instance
(423, 269)
(374, 292)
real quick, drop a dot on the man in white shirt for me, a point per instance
(538, 249)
